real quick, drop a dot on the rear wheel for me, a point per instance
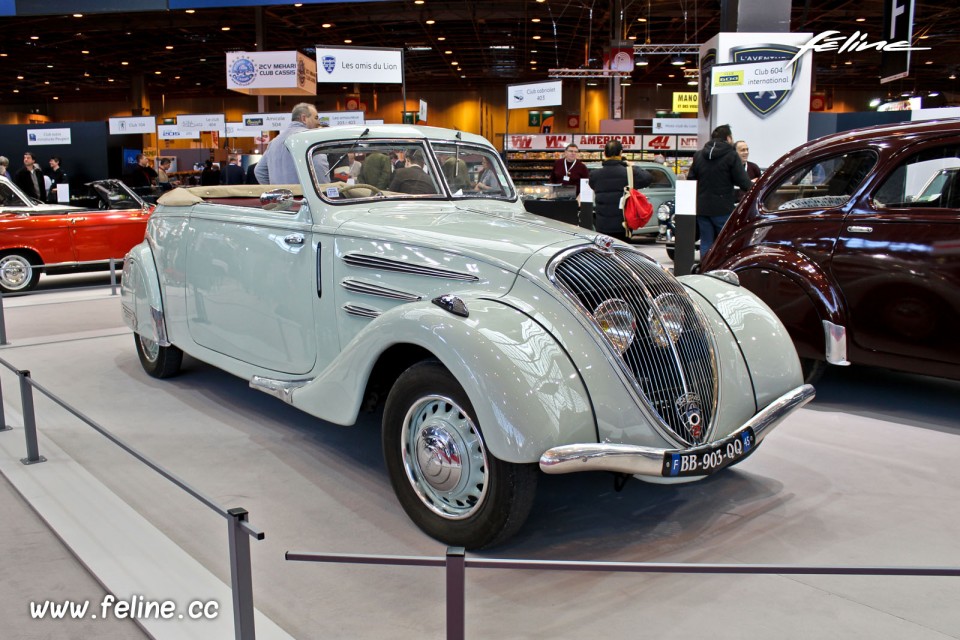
(158, 361)
(18, 272)
(439, 466)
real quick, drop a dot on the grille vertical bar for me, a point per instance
(668, 374)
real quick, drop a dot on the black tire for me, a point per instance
(812, 369)
(18, 271)
(470, 499)
(671, 252)
(159, 362)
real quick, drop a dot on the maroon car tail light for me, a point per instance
(671, 361)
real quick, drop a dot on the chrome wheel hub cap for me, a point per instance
(444, 457)
(14, 273)
(150, 348)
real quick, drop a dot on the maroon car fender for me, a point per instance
(807, 275)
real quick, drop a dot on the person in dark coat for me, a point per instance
(377, 170)
(412, 178)
(210, 174)
(717, 169)
(251, 174)
(140, 175)
(752, 169)
(30, 178)
(608, 183)
(233, 172)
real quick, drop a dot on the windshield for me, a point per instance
(401, 169)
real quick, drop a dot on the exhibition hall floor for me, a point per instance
(865, 475)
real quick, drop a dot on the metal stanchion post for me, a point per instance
(456, 570)
(241, 580)
(3, 418)
(113, 277)
(29, 419)
(3, 324)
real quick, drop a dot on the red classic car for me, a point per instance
(103, 220)
(854, 240)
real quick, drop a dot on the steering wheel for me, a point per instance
(346, 191)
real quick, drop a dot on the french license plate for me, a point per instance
(710, 458)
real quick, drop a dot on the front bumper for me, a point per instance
(649, 461)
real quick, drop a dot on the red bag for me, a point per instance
(635, 206)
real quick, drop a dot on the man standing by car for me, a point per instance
(569, 170)
(717, 169)
(607, 183)
(233, 172)
(277, 165)
(30, 178)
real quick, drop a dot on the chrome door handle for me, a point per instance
(294, 238)
(859, 229)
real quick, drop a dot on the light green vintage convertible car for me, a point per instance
(503, 344)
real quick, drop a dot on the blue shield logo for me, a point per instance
(763, 103)
(706, 82)
(242, 71)
(329, 63)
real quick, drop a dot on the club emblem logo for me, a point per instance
(706, 65)
(301, 73)
(329, 63)
(763, 103)
(242, 71)
(688, 408)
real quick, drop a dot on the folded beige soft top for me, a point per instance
(186, 196)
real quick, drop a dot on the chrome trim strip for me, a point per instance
(369, 288)
(375, 262)
(648, 461)
(726, 275)
(835, 339)
(361, 311)
(282, 389)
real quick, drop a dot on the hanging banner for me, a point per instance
(685, 101)
(688, 143)
(359, 64)
(238, 130)
(596, 141)
(534, 94)
(271, 73)
(336, 118)
(202, 122)
(538, 142)
(676, 125)
(266, 121)
(172, 132)
(139, 124)
(422, 114)
(660, 143)
(48, 136)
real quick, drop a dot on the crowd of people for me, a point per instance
(39, 184)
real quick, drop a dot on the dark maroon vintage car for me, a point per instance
(854, 240)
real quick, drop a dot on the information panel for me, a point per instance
(350, 65)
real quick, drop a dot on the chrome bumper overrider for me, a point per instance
(648, 461)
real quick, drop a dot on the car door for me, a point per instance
(897, 260)
(100, 235)
(251, 281)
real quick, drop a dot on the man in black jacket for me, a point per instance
(717, 169)
(607, 183)
(30, 178)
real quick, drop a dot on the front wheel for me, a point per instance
(439, 466)
(18, 273)
(159, 362)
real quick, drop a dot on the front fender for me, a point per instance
(140, 298)
(527, 395)
(808, 275)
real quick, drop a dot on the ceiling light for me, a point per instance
(672, 75)
(49, 66)
(157, 73)
(191, 10)
(692, 83)
(419, 48)
(678, 61)
(924, 37)
(224, 28)
(176, 77)
(111, 80)
(3, 55)
(453, 63)
(501, 46)
(875, 102)
(535, 20)
(441, 39)
(418, 1)
(934, 94)
(641, 19)
(861, 20)
(56, 97)
(536, 37)
(348, 41)
(952, 76)
(86, 75)
(326, 25)
(84, 52)
(631, 37)
(297, 4)
(928, 62)
(431, 22)
(16, 90)
(78, 15)
(124, 63)
(448, 52)
(169, 47)
(533, 62)
(591, 83)
(34, 37)
(625, 82)
(203, 59)
(19, 77)
(848, 62)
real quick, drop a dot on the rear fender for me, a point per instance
(140, 297)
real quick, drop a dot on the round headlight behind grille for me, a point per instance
(617, 322)
(663, 212)
(666, 319)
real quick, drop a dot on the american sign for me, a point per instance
(592, 142)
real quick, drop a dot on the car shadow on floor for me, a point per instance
(873, 392)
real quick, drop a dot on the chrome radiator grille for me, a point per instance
(677, 376)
